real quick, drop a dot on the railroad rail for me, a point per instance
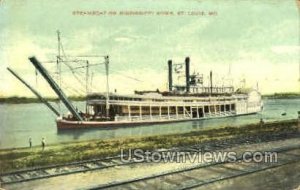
(187, 178)
(103, 163)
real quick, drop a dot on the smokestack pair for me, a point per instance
(187, 74)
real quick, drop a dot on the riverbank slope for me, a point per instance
(21, 158)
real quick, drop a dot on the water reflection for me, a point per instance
(129, 131)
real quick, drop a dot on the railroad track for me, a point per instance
(60, 169)
(99, 164)
(201, 175)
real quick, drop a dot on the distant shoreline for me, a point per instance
(282, 96)
(24, 100)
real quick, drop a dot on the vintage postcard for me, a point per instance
(132, 94)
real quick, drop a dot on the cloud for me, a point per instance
(285, 49)
(123, 39)
(256, 44)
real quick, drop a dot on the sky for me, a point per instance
(254, 41)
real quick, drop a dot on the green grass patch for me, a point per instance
(20, 158)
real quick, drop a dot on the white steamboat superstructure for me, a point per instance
(191, 101)
(156, 107)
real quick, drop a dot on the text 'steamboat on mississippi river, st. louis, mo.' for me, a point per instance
(191, 101)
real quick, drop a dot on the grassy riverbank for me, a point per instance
(15, 159)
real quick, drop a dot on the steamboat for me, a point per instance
(191, 101)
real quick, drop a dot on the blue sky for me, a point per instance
(259, 39)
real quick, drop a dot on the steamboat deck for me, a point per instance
(156, 108)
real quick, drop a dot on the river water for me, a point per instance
(19, 122)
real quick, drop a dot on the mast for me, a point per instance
(34, 92)
(107, 85)
(58, 64)
(298, 5)
(55, 87)
(58, 44)
(87, 86)
(211, 82)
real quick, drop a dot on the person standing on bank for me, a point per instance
(30, 142)
(43, 143)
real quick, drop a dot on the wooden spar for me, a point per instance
(107, 85)
(34, 92)
(211, 82)
(87, 86)
(55, 87)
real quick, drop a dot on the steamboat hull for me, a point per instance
(65, 124)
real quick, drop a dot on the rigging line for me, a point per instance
(74, 73)
(77, 72)
(55, 61)
(71, 89)
(65, 85)
(63, 50)
(74, 92)
(90, 65)
(94, 88)
(90, 56)
(92, 75)
(131, 78)
(75, 61)
(111, 70)
(126, 76)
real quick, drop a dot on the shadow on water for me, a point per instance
(129, 131)
(156, 129)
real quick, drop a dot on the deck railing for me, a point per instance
(172, 116)
(158, 104)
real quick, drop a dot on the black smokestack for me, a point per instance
(187, 73)
(170, 75)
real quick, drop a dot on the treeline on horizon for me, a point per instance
(286, 95)
(20, 99)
